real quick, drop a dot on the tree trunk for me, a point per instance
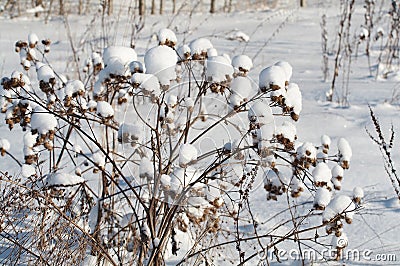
(110, 6)
(153, 7)
(80, 7)
(161, 7)
(230, 6)
(302, 3)
(142, 7)
(38, 3)
(61, 11)
(212, 6)
(173, 6)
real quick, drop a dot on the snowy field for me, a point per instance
(289, 34)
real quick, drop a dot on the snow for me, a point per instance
(42, 120)
(187, 154)
(166, 37)
(322, 173)
(326, 141)
(33, 39)
(265, 132)
(212, 52)
(303, 49)
(136, 66)
(337, 171)
(27, 170)
(44, 72)
(5, 145)
(322, 198)
(345, 152)
(166, 181)
(338, 205)
(99, 159)
(183, 52)
(62, 179)
(287, 130)
(260, 113)
(181, 177)
(74, 87)
(29, 139)
(104, 109)
(293, 98)
(272, 77)
(287, 68)
(146, 168)
(242, 87)
(160, 61)
(358, 193)
(121, 54)
(148, 83)
(340, 242)
(306, 150)
(189, 103)
(242, 63)
(240, 36)
(200, 47)
(218, 69)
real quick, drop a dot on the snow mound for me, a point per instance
(322, 174)
(218, 69)
(62, 179)
(260, 113)
(42, 120)
(345, 152)
(339, 205)
(167, 37)
(161, 61)
(242, 63)
(147, 82)
(241, 86)
(199, 48)
(273, 77)
(240, 36)
(322, 198)
(187, 154)
(287, 68)
(74, 87)
(44, 73)
(104, 109)
(124, 55)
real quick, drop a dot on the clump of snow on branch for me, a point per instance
(242, 64)
(273, 77)
(199, 48)
(340, 205)
(345, 152)
(187, 154)
(104, 109)
(160, 61)
(167, 37)
(42, 121)
(123, 54)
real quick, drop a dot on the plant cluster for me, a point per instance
(152, 159)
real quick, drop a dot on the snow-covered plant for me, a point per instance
(157, 158)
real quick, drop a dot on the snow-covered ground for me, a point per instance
(293, 35)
